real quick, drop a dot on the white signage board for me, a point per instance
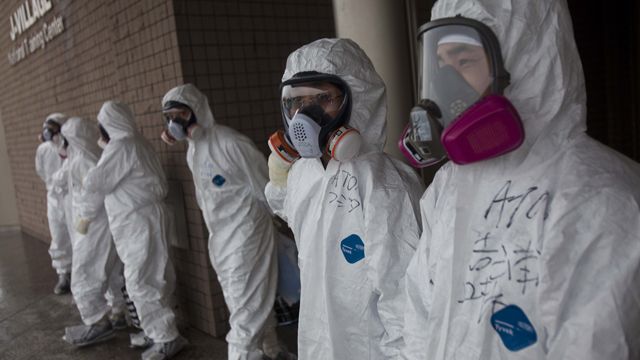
(28, 13)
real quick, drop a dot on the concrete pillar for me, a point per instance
(380, 28)
(8, 208)
(636, 90)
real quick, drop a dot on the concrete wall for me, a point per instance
(380, 28)
(8, 208)
(135, 51)
(235, 52)
(108, 49)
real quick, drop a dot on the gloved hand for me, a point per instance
(278, 170)
(82, 226)
(167, 138)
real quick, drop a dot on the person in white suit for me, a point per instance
(531, 241)
(96, 276)
(352, 208)
(47, 163)
(131, 179)
(230, 174)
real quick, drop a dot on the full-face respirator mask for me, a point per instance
(315, 112)
(462, 114)
(181, 123)
(50, 131)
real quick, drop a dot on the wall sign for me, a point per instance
(22, 19)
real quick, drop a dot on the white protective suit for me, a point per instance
(132, 181)
(230, 174)
(47, 163)
(356, 223)
(94, 256)
(552, 228)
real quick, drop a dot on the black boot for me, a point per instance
(64, 284)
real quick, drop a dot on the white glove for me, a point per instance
(278, 170)
(167, 138)
(82, 226)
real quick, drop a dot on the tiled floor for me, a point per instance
(32, 318)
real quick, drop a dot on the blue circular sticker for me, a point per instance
(514, 328)
(218, 180)
(352, 248)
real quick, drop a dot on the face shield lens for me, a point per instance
(455, 69)
(324, 95)
(50, 128)
(47, 134)
(180, 115)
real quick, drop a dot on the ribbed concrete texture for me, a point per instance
(32, 318)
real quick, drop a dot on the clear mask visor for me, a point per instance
(178, 115)
(455, 70)
(324, 95)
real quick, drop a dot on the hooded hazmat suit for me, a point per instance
(356, 222)
(551, 229)
(47, 163)
(131, 179)
(230, 174)
(95, 261)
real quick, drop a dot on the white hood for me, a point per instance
(536, 251)
(59, 118)
(538, 48)
(192, 97)
(345, 59)
(81, 135)
(117, 119)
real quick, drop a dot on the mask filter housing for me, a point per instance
(47, 134)
(315, 111)
(462, 113)
(490, 128)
